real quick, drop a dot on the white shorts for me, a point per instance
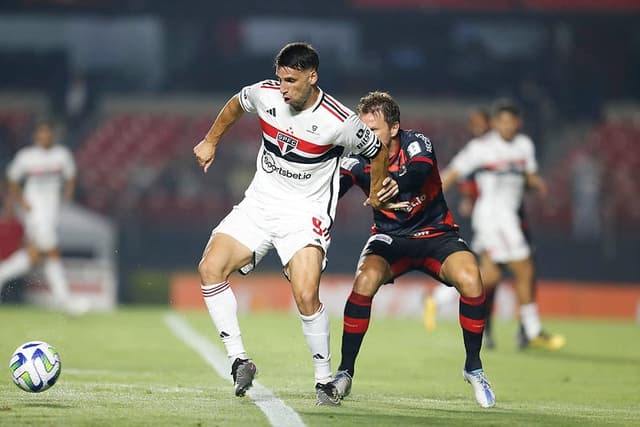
(261, 228)
(503, 241)
(41, 230)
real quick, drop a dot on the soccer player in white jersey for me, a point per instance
(39, 177)
(289, 205)
(504, 164)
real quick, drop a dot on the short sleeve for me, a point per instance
(531, 165)
(420, 149)
(69, 165)
(248, 97)
(358, 138)
(466, 161)
(15, 170)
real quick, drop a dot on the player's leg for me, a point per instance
(236, 243)
(461, 270)
(303, 271)
(491, 274)
(223, 255)
(523, 271)
(373, 271)
(18, 264)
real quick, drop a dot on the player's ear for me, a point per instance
(313, 77)
(395, 128)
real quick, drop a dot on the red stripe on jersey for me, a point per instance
(422, 160)
(269, 87)
(503, 163)
(302, 145)
(332, 111)
(472, 325)
(336, 104)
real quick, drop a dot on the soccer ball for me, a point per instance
(35, 366)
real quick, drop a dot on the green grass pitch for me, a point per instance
(128, 368)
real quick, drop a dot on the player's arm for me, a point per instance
(536, 183)
(449, 177)
(14, 198)
(379, 167)
(206, 149)
(69, 188)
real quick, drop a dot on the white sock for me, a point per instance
(54, 274)
(16, 265)
(223, 309)
(530, 320)
(316, 331)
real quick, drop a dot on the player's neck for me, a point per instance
(312, 99)
(394, 146)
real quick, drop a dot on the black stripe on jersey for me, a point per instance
(332, 193)
(319, 103)
(273, 83)
(292, 157)
(338, 105)
(335, 108)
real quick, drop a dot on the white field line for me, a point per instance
(278, 413)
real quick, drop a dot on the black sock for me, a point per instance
(357, 313)
(472, 315)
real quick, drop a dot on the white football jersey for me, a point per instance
(43, 172)
(499, 169)
(299, 158)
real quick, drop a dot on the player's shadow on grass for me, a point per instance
(591, 358)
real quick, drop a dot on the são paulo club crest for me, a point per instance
(286, 143)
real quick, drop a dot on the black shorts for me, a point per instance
(426, 254)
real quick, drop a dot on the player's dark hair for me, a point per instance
(383, 102)
(299, 56)
(506, 106)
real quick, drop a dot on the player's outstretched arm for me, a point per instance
(379, 166)
(206, 149)
(535, 182)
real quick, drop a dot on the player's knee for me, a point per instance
(210, 271)
(307, 301)
(468, 281)
(367, 282)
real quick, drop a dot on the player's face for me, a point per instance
(384, 132)
(296, 86)
(43, 136)
(506, 124)
(478, 124)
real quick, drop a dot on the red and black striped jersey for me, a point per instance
(415, 168)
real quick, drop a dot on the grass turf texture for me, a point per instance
(127, 368)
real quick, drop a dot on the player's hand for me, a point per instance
(389, 190)
(205, 152)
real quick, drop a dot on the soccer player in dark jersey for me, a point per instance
(420, 236)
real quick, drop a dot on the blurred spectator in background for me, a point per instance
(504, 164)
(40, 176)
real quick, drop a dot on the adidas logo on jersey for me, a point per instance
(272, 111)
